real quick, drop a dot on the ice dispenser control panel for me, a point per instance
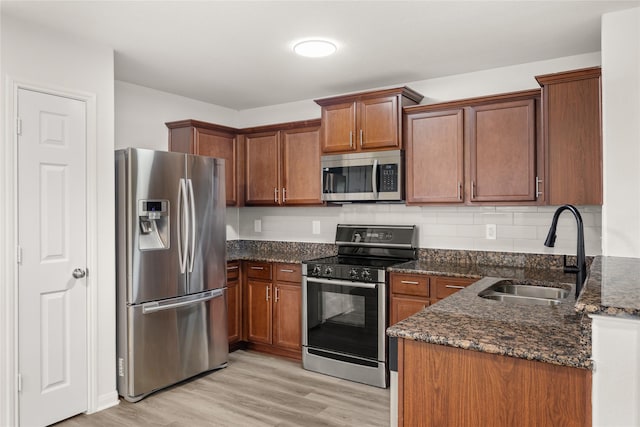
(153, 216)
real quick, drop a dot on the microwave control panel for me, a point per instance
(388, 178)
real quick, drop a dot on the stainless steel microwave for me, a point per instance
(375, 176)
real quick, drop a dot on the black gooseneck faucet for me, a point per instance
(580, 269)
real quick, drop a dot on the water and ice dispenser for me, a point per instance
(153, 216)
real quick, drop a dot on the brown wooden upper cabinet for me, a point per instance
(480, 150)
(283, 164)
(572, 133)
(207, 139)
(364, 121)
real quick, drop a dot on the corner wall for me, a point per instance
(34, 55)
(621, 133)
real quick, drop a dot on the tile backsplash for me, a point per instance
(517, 228)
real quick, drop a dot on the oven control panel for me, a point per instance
(345, 272)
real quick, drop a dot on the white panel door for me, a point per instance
(52, 238)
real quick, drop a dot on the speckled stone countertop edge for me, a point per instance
(612, 288)
(584, 362)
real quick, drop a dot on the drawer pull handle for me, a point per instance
(409, 282)
(233, 267)
(286, 270)
(257, 268)
(454, 287)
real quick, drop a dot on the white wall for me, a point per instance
(621, 133)
(141, 114)
(37, 56)
(460, 86)
(519, 229)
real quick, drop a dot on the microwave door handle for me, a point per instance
(374, 179)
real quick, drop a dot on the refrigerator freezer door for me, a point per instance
(206, 187)
(172, 340)
(154, 274)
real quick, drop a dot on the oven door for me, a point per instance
(362, 177)
(344, 320)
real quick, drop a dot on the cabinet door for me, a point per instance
(502, 152)
(262, 166)
(300, 150)
(574, 142)
(259, 314)
(435, 158)
(287, 316)
(223, 146)
(338, 132)
(378, 119)
(403, 307)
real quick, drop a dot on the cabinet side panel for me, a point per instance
(181, 140)
(450, 386)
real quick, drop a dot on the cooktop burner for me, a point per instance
(365, 252)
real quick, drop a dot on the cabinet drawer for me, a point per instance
(233, 270)
(289, 273)
(442, 287)
(410, 284)
(259, 270)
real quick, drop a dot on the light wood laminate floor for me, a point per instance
(254, 390)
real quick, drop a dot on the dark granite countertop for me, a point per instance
(612, 288)
(268, 251)
(553, 334)
(476, 271)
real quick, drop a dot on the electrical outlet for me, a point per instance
(490, 231)
(257, 225)
(315, 227)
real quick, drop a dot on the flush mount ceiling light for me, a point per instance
(314, 48)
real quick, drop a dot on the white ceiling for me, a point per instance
(238, 54)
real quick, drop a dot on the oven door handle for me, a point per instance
(342, 283)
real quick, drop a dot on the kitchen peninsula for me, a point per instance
(543, 354)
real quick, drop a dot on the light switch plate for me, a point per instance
(315, 227)
(257, 225)
(490, 231)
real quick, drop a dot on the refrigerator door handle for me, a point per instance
(183, 222)
(152, 307)
(192, 208)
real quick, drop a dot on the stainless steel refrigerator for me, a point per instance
(171, 269)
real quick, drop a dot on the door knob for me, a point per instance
(79, 273)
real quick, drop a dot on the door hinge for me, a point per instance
(19, 126)
(19, 382)
(19, 254)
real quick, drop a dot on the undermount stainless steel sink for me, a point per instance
(524, 293)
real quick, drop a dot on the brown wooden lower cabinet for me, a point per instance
(445, 386)
(273, 308)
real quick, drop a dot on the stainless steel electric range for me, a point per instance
(345, 302)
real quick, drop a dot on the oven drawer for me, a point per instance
(445, 286)
(410, 284)
(259, 270)
(289, 273)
